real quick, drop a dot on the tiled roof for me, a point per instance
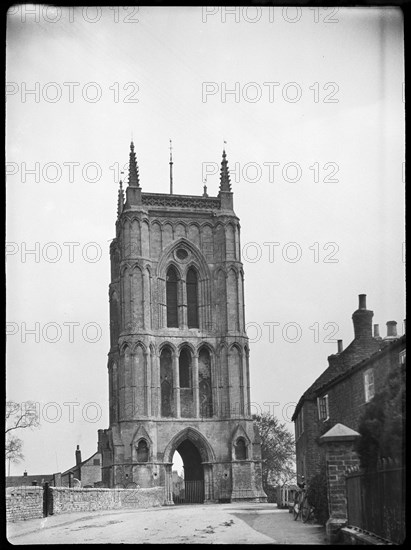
(338, 369)
(15, 481)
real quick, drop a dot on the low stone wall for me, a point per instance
(63, 499)
(142, 498)
(24, 502)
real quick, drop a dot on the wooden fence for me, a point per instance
(376, 500)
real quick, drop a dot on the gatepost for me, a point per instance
(340, 455)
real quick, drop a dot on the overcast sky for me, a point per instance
(310, 102)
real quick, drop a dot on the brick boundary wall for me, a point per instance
(25, 502)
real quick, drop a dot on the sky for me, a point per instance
(310, 105)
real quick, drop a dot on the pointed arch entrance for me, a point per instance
(189, 489)
(197, 457)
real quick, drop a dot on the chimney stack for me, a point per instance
(362, 301)
(362, 319)
(391, 329)
(25, 473)
(78, 455)
(340, 346)
(377, 331)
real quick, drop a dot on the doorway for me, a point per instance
(189, 488)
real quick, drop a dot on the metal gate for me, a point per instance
(47, 501)
(188, 492)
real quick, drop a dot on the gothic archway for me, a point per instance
(190, 489)
(196, 454)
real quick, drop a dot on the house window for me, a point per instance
(171, 291)
(240, 449)
(323, 411)
(192, 299)
(401, 357)
(369, 384)
(96, 462)
(299, 424)
(142, 451)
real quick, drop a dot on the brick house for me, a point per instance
(88, 471)
(341, 392)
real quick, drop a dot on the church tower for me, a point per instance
(178, 363)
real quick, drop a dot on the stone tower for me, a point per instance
(178, 363)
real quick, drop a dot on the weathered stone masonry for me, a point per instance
(179, 359)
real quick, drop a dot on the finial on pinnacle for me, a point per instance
(225, 184)
(120, 199)
(133, 176)
(171, 167)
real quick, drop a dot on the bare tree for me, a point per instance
(18, 416)
(14, 447)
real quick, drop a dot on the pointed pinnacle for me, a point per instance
(120, 200)
(133, 176)
(225, 184)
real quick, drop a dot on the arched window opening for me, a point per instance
(172, 292)
(166, 379)
(142, 451)
(192, 299)
(240, 449)
(184, 364)
(204, 376)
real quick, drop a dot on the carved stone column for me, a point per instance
(176, 378)
(155, 384)
(147, 385)
(247, 385)
(208, 483)
(158, 383)
(196, 393)
(168, 478)
(183, 304)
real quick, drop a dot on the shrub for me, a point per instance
(318, 497)
(382, 426)
(271, 493)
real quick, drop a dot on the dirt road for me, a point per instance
(239, 523)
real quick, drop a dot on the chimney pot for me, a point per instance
(25, 473)
(362, 319)
(340, 345)
(391, 328)
(78, 455)
(376, 331)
